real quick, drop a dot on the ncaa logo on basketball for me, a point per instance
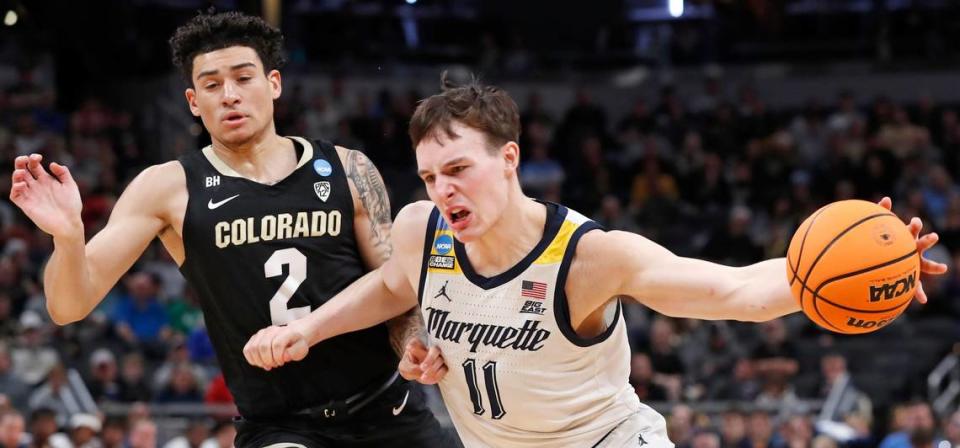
(443, 244)
(322, 189)
(892, 290)
(322, 167)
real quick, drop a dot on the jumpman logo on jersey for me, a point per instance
(640, 439)
(443, 292)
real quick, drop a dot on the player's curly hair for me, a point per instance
(214, 31)
(487, 109)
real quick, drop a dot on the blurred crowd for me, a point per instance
(715, 174)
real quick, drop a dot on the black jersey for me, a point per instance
(267, 254)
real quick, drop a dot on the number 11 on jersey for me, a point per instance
(490, 381)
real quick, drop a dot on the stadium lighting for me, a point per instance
(411, 2)
(10, 19)
(676, 8)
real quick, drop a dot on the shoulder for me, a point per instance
(157, 186)
(354, 160)
(413, 218)
(167, 174)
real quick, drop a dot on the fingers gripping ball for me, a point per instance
(853, 266)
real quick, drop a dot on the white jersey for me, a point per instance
(519, 376)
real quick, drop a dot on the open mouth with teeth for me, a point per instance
(458, 215)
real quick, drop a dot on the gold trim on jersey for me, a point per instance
(225, 169)
(554, 252)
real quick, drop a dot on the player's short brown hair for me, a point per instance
(487, 109)
(215, 31)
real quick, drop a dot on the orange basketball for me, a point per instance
(853, 266)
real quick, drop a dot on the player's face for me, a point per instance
(232, 95)
(468, 183)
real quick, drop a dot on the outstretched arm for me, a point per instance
(686, 287)
(382, 294)
(79, 274)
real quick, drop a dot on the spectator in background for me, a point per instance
(797, 431)
(133, 384)
(833, 373)
(11, 385)
(919, 426)
(680, 425)
(140, 318)
(951, 429)
(143, 434)
(43, 425)
(103, 384)
(198, 430)
(760, 432)
(734, 429)
(8, 321)
(114, 433)
(541, 174)
(732, 245)
(223, 435)
(705, 439)
(642, 379)
(83, 431)
(668, 368)
(57, 395)
(33, 358)
(776, 355)
(176, 357)
(182, 387)
(12, 433)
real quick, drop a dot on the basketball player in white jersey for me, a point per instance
(521, 296)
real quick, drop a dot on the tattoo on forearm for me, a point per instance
(404, 327)
(373, 196)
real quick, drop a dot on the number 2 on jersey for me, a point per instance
(490, 381)
(297, 262)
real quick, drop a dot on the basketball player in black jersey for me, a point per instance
(265, 228)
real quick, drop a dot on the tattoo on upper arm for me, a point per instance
(404, 327)
(373, 196)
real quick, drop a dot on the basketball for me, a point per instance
(853, 266)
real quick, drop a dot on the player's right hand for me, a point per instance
(51, 200)
(275, 346)
(421, 364)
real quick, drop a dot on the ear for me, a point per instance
(276, 86)
(192, 101)
(511, 155)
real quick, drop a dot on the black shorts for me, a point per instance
(398, 417)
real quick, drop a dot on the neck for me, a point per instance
(511, 238)
(265, 158)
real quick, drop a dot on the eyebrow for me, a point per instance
(233, 68)
(448, 163)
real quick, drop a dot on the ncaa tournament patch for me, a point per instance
(443, 244)
(322, 167)
(441, 262)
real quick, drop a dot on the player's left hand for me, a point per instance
(422, 364)
(924, 243)
(275, 346)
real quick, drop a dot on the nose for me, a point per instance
(444, 187)
(231, 94)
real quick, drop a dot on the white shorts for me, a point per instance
(646, 428)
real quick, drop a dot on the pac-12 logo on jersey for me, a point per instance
(322, 189)
(443, 244)
(322, 167)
